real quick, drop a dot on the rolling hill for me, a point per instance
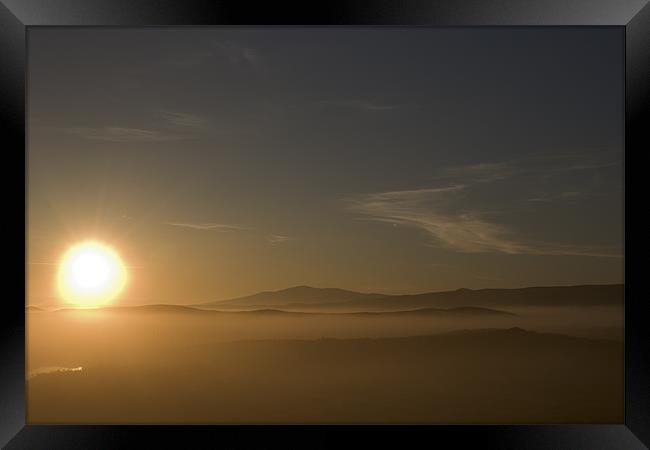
(464, 311)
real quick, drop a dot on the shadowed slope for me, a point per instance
(304, 295)
(476, 376)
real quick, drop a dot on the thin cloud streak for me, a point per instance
(124, 135)
(560, 196)
(275, 239)
(224, 228)
(358, 104)
(478, 173)
(230, 52)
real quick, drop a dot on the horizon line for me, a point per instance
(622, 283)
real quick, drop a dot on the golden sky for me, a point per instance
(220, 163)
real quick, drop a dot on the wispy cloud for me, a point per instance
(449, 220)
(182, 119)
(426, 209)
(231, 52)
(123, 134)
(238, 54)
(221, 227)
(275, 239)
(358, 104)
(172, 126)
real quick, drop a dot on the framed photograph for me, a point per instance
(276, 225)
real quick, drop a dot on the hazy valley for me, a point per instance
(507, 362)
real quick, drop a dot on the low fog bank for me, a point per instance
(50, 332)
(174, 364)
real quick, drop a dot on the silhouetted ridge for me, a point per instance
(301, 297)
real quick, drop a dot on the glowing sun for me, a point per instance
(91, 274)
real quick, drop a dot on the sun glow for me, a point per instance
(91, 274)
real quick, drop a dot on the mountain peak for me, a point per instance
(301, 294)
(518, 330)
(302, 287)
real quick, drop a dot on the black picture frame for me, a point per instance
(17, 16)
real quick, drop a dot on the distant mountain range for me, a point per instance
(327, 299)
(308, 299)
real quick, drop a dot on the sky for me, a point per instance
(221, 162)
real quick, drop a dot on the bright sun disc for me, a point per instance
(91, 274)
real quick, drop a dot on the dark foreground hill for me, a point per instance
(480, 376)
